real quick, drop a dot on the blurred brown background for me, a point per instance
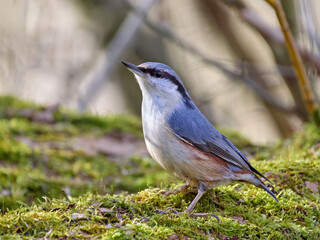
(229, 53)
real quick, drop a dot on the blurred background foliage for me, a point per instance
(230, 54)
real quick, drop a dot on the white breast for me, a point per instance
(161, 143)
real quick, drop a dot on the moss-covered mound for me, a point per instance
(48, 151)
(68, 175)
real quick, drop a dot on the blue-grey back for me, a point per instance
(192, 126)
(191, 123)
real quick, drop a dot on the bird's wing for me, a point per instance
(192, 127)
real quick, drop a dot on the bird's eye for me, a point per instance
(158, 73)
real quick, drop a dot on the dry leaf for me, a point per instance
(173, 237)
(96, 204)
(78, 216)
(239, 219)
(313, 186)
(144, 219)
(104, 210)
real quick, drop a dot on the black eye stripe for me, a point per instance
(154, 72)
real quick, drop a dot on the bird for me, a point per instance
(182, 140)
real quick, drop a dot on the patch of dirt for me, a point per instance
(239, 219)
(45, 115)
(313, 186)
(124, 147)
(114, 147)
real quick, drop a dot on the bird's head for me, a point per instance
(160, 82)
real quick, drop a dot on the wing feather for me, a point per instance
(191, 126)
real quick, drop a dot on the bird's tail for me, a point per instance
(253, 179)
(264, 187)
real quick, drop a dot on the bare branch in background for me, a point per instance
(109, 59)
(166, 32)
(270, 33)
(274, 38)
(307, 13)
(222, 19)
(304, 83)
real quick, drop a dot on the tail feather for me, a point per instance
(264, 187)
(258, 173)
(253, 179)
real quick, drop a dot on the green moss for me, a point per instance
(49, 189)
(133, 216)
(38, 159)
(8, 103)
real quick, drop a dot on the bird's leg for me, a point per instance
(183, 189)
(201, 190)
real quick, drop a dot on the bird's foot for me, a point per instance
(183, 189)
(193, 215)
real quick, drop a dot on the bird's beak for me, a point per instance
(133, 68)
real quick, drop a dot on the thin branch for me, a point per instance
(270, 33)
(109, 59)
(275, 35)
(304, 83)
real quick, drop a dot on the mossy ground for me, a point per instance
(49, 189)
